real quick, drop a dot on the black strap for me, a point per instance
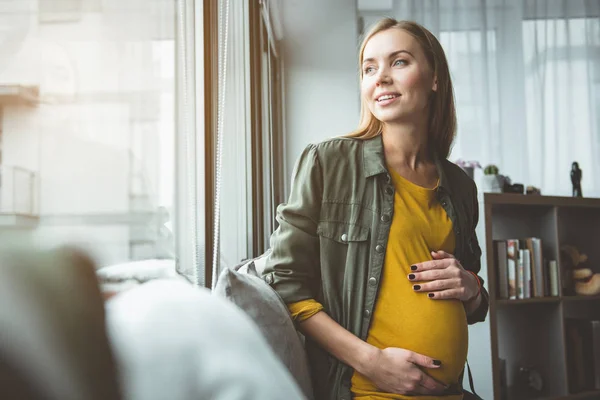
(471, 379)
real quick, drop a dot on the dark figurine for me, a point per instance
(576, 180)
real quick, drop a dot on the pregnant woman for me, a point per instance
(376, 253)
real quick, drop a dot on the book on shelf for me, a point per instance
(525, 273)
(536, 261)
(500, 255)
(552, 268)
(522, 272)
(512, 248)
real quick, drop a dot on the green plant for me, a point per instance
(490, 170)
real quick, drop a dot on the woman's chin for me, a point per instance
(391, 118)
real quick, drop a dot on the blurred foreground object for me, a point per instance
(53, 342)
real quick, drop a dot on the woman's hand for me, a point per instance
(398, 371)
(444, 278)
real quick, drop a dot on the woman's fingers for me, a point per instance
(456, 294)
(442, 278)
(441, 254)
(429, 386)
(437, 285)
(432, 275)
(432, 264)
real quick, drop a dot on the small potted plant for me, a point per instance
(492, 182)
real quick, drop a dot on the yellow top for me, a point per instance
(402, 317)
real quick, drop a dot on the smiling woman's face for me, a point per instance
(397, 80)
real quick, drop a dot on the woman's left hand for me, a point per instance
(444, 278)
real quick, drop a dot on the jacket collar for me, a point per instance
(373, 157)
(374, 162)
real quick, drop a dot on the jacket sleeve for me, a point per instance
(293, 266)
(475, 265)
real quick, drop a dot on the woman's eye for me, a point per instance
(368, 70)
(399, 62)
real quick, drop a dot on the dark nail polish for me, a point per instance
(417, 287)
(437, 362)
(430, 295)
(411, 276)
(413, 267)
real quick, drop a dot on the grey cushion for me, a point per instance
(272, 316)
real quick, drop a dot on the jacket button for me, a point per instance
(379, 248)
(367, 312)
(388, 178)
(269, 279)
(389, 190)
(372, 281)
(344, 237)
(385, 218)
(444, 203)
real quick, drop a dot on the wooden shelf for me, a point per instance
(581, 298)
(536, 200)
(582, 395)
(535, 300)
(533, 332)
(542, 300)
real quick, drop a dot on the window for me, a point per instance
(60, 11)
(100, 136)
(472, 56)
(114, 113)
(249, 152)
(562, 85)
(269, 143)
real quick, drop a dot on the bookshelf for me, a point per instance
(532, 332)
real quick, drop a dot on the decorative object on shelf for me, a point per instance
(532, 190)
(587, 282)
(492, 182)
(513, 188)
(509, 187)
(579, 280)
(529, 382)
(468, 166)
(576, 179)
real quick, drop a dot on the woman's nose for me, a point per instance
(383, 78)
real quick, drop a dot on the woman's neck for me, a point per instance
(405, 145)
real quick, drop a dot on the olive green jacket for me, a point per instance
(332, 236)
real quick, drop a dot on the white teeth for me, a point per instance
(387, 97)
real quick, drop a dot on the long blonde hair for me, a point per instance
(442, 125)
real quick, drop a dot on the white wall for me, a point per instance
(320, 48)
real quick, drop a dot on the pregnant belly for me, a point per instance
(435, 328)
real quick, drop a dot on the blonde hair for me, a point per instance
(442, 125)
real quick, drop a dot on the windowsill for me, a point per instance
(18, 220)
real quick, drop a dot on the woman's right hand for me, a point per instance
(399, 371)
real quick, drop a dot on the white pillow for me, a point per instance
(119, 277)
(141, 271)
(175, 341)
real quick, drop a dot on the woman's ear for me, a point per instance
(434, 87)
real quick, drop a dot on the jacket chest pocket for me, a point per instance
(344, 255)
(343, 233)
